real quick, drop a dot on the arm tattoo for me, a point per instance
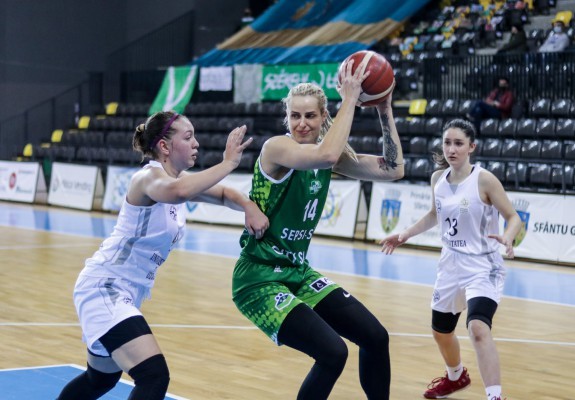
(388, 161)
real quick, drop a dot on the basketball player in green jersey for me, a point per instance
(273, 284)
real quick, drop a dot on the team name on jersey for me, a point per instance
(296, 234)
(457, 243)
(293, 257)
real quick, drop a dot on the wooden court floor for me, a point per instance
(214, 353)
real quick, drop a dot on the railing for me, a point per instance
(532, 75)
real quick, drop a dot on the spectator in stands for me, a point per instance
(517, 41)
(557, 40)
(466, 202)
(497, 104)
(120, 275)
(273, 284)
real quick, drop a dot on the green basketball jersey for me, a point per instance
(294, 206)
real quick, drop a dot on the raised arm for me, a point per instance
(388, 166)
(154, 185)
(428, 221)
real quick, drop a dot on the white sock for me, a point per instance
(453, 373)
(493, 391)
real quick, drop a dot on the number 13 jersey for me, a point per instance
(464, 219)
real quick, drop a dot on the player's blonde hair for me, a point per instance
(311, 89)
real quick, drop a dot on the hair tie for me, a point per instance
(164, 131)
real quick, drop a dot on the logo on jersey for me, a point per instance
(191, 206)
(173, 212)
(521, 206)
(436, 296)
(390, 207)
(314, 187)
(283, 300)
(463, 206)
(438, 206)
(278, 269)
(320, 284)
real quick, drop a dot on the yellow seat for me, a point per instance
(563, 16)
(84, 122)
(417, 107)
(111, 108)
(28, 150)
(57, 136)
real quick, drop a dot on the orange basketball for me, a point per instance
(380, 82)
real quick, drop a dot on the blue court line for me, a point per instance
(45, 383)
(539, 285)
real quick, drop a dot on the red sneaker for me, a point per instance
(442, 387)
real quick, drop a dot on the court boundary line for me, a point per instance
(247, 328)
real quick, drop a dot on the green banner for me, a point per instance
(278, 80)
(176, 90)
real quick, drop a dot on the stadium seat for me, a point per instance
(466, 105)
(489, 127)
(433, 108)
(492, 148)
(531, 149)
(540, 174)
(433, 126)
(511, 148)
(435, 145)
(545, 127)
(507, 128)
(416, 126)
(569, 149)
(541, 108)
(516, 174)
(450, 108)
(526, 128)
(497, 168)
(552, 150)
(561, 108)
(565, 128)
(418, 145)
(421, 169)
(401, 123)
(370, 145)
(417, 107)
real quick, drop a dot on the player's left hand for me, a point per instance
(505, 242)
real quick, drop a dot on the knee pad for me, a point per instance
(152, 374)
(481, 308)
(101, 380)
(444, 322)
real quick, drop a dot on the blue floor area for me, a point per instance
(549, 286)
(45, 383)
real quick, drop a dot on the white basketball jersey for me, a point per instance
(464, 219)
(140, 242)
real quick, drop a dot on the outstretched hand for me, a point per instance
(390, 243)
(235, 147)
(505, 242)
(350, 82)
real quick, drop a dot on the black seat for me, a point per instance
(421, 169)
(540, 174)
(508, 128)
(531, 149)
(370, 145)
(546, 127)
(552, 150)
(433, 108)
(497, 168)
(560, 108)
(526, 127)
(489, 127)
(516, 174)
(418, 145)
(416, 126)
(569, 149)
(565, 128)
(450, 108)
(511, 148)
(541, 108)
(492, 147)
(466, 105)
(433, 126)
(435, 145)
(401, 124)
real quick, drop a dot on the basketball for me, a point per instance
(380, 82)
